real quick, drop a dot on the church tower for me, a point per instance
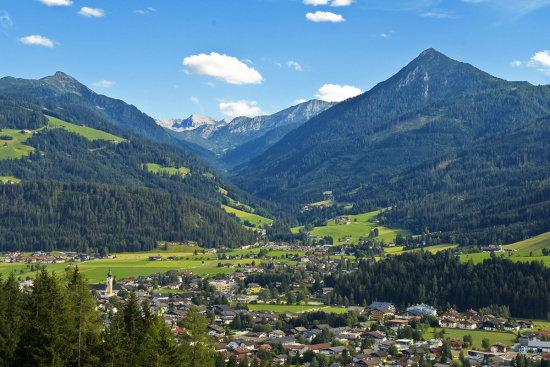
(109, 290)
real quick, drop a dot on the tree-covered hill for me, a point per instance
(433, 106)
(46, 215)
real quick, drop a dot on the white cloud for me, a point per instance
(337, 93)
(5, 20)
(515, 63)
(325, 16)
(141, 12)
(436, 13)
(91, 12)
(541, 59)
(211, 84)
(152, 9)
(241, 108)
(342, 2)
(298, 101)
(104, 84)
(384, 35)
(195, 100)
(56, 2)
(226, 68)
(316, 2)
(37, 40)
(295, 65)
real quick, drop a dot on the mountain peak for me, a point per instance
(65, 83)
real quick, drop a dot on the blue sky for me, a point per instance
(172, 58)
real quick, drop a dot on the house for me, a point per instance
(422, 309)
(452, 314)
(455, 344)
(377, 336)
(499, 348)
(388, 305)
(155, 258)
(295, 349)
(216, 331)
(333, 351)
(448, 323)
(467, 324)
(379, 314)
(253, 288)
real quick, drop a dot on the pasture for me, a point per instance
(398, 250)
(283, 308)
(358, 226)
(15, 148)
(157, 168)
(523, 256)
(86, 132)
(507, 338)
(251, 217)
(5, 179)
(532, 244)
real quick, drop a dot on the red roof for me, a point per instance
(319, 346)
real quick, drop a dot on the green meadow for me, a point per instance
(5, 179)
(532, 244)
(523, 256)
(157, 168)
(359, 226)
(17, 147)
(507, 338)
(86, 132)
(398, 250)
(242, 215)
(283, 308)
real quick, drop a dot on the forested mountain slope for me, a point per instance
(432, 107)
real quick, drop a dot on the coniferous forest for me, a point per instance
(443, 281)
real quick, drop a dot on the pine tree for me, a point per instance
(197, 345)
(11, 322)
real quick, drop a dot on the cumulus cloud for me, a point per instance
(384, 35)
(295, 65)
(37, 40)
(337, 93)
(437, 13)
(104, 84)
(195, 100)
(91, 12)
(325, 16)
(541, 59)
(515, 63)
(56, 2)
(316, 2)
(5, 20)
(223, 67)
(241, 108)
(342, 2)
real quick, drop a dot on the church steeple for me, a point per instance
(109, 290)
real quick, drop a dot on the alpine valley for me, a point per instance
(446, 149)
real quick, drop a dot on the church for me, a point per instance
(107, 289)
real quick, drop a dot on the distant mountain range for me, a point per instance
(236, 142)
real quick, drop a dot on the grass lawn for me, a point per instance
(252, 218)
(532, 244)
(336, 309)
(477, 336)
(355, 229)
(157, 168)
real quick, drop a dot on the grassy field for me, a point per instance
(157, 168)
(252, 218)
(87, 132)
(355, 229)
(523, 256)
(282, 308)
(398, 250)
(15, 148)
(5, 179)
(18, 148)
(477, 336)
(532, 244)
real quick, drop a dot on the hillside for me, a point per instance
(426, 142)
(432, 106)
